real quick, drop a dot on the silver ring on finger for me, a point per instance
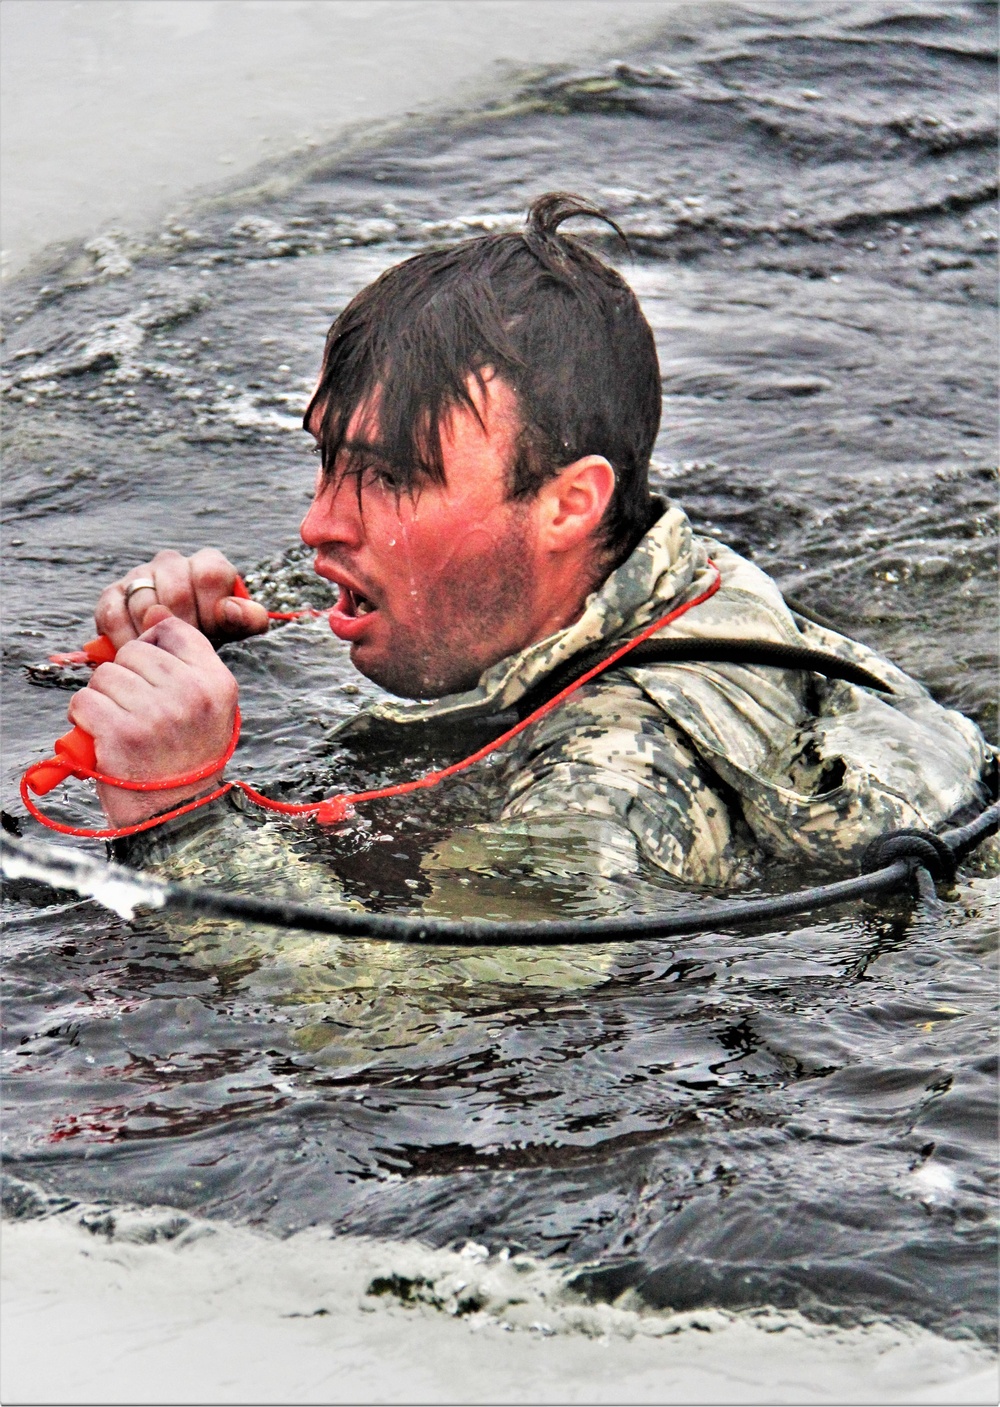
(141, 583)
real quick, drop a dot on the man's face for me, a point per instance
(438, 585)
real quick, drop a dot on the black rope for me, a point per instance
(963, 839)
(907, 852)
(481, 933)
(773, 653)
(923, 848)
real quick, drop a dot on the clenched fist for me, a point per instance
(197, 590)
(165, 707)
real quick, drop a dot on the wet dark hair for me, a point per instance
(557, 324)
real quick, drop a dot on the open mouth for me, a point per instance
(351, 617)
(352, 603)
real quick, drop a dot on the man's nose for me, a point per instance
(334, 515)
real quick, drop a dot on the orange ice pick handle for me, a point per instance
(76, 749)
(99, 651)
(73, 751)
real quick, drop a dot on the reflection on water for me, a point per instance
(795, 1116)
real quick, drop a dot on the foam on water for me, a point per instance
(113, 887)
(798, 1117)
(209, 1312)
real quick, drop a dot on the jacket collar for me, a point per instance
(662, 567)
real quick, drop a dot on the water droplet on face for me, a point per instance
(392, 542)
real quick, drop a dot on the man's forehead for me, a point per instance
(362, 425)
(355, 453)
(493, 399)
(481, 435)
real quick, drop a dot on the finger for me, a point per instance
(236, 617)
(174, 588)
(213, 578)
(156, 666)
(137, 602)
(185, 642)
(95, 713)
(112, 618)
(129, 690)
(153, 615)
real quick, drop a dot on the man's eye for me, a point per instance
(383, 476)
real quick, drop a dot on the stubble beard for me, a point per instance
(473, 625)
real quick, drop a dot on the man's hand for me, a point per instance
(165, 707)
(198, 590)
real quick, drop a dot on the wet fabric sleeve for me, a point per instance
(611, 755)
(233, 846)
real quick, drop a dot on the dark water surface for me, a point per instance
(798, 1116)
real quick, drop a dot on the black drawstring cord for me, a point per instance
(893, 860)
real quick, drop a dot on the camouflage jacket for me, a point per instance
(690, 771)
(699, 766)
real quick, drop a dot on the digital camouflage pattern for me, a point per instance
(702, 770)
(698, 766)
(691, 772)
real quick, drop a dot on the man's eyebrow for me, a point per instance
(365, 452)
(356, 458)
(357, 445)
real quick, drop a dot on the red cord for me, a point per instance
(332, 809)
(160, 784)
(117, 832)
(102, 651)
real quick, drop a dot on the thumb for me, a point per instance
(237, 617)
(154, 614)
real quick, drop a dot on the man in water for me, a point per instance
(485, 417)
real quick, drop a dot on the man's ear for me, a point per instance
(572, 505)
